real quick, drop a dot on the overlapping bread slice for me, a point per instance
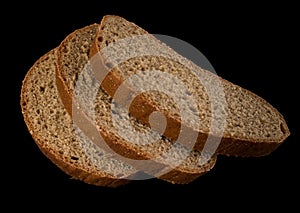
(65, 145)
(183, 165)
(53, 131)
(252, 128)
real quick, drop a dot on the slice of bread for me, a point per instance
(252, 126)
(52, 129)
(72, 61)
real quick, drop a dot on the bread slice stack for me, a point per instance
(81, 120)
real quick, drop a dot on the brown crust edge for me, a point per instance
(72, 170)
(228, 146)
(87, 127)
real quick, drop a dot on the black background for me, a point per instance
(248, 44)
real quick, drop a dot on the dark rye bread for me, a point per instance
(253, 127)
(52, 129)
(72, 57)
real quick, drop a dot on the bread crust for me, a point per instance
(95, 178)
(117, 144)
(228, 146)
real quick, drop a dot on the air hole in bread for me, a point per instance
(76, 77)
(100, 39)
(163, 137)
(108, 65)
(74, 158)
(65, 50)
(42, 89)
